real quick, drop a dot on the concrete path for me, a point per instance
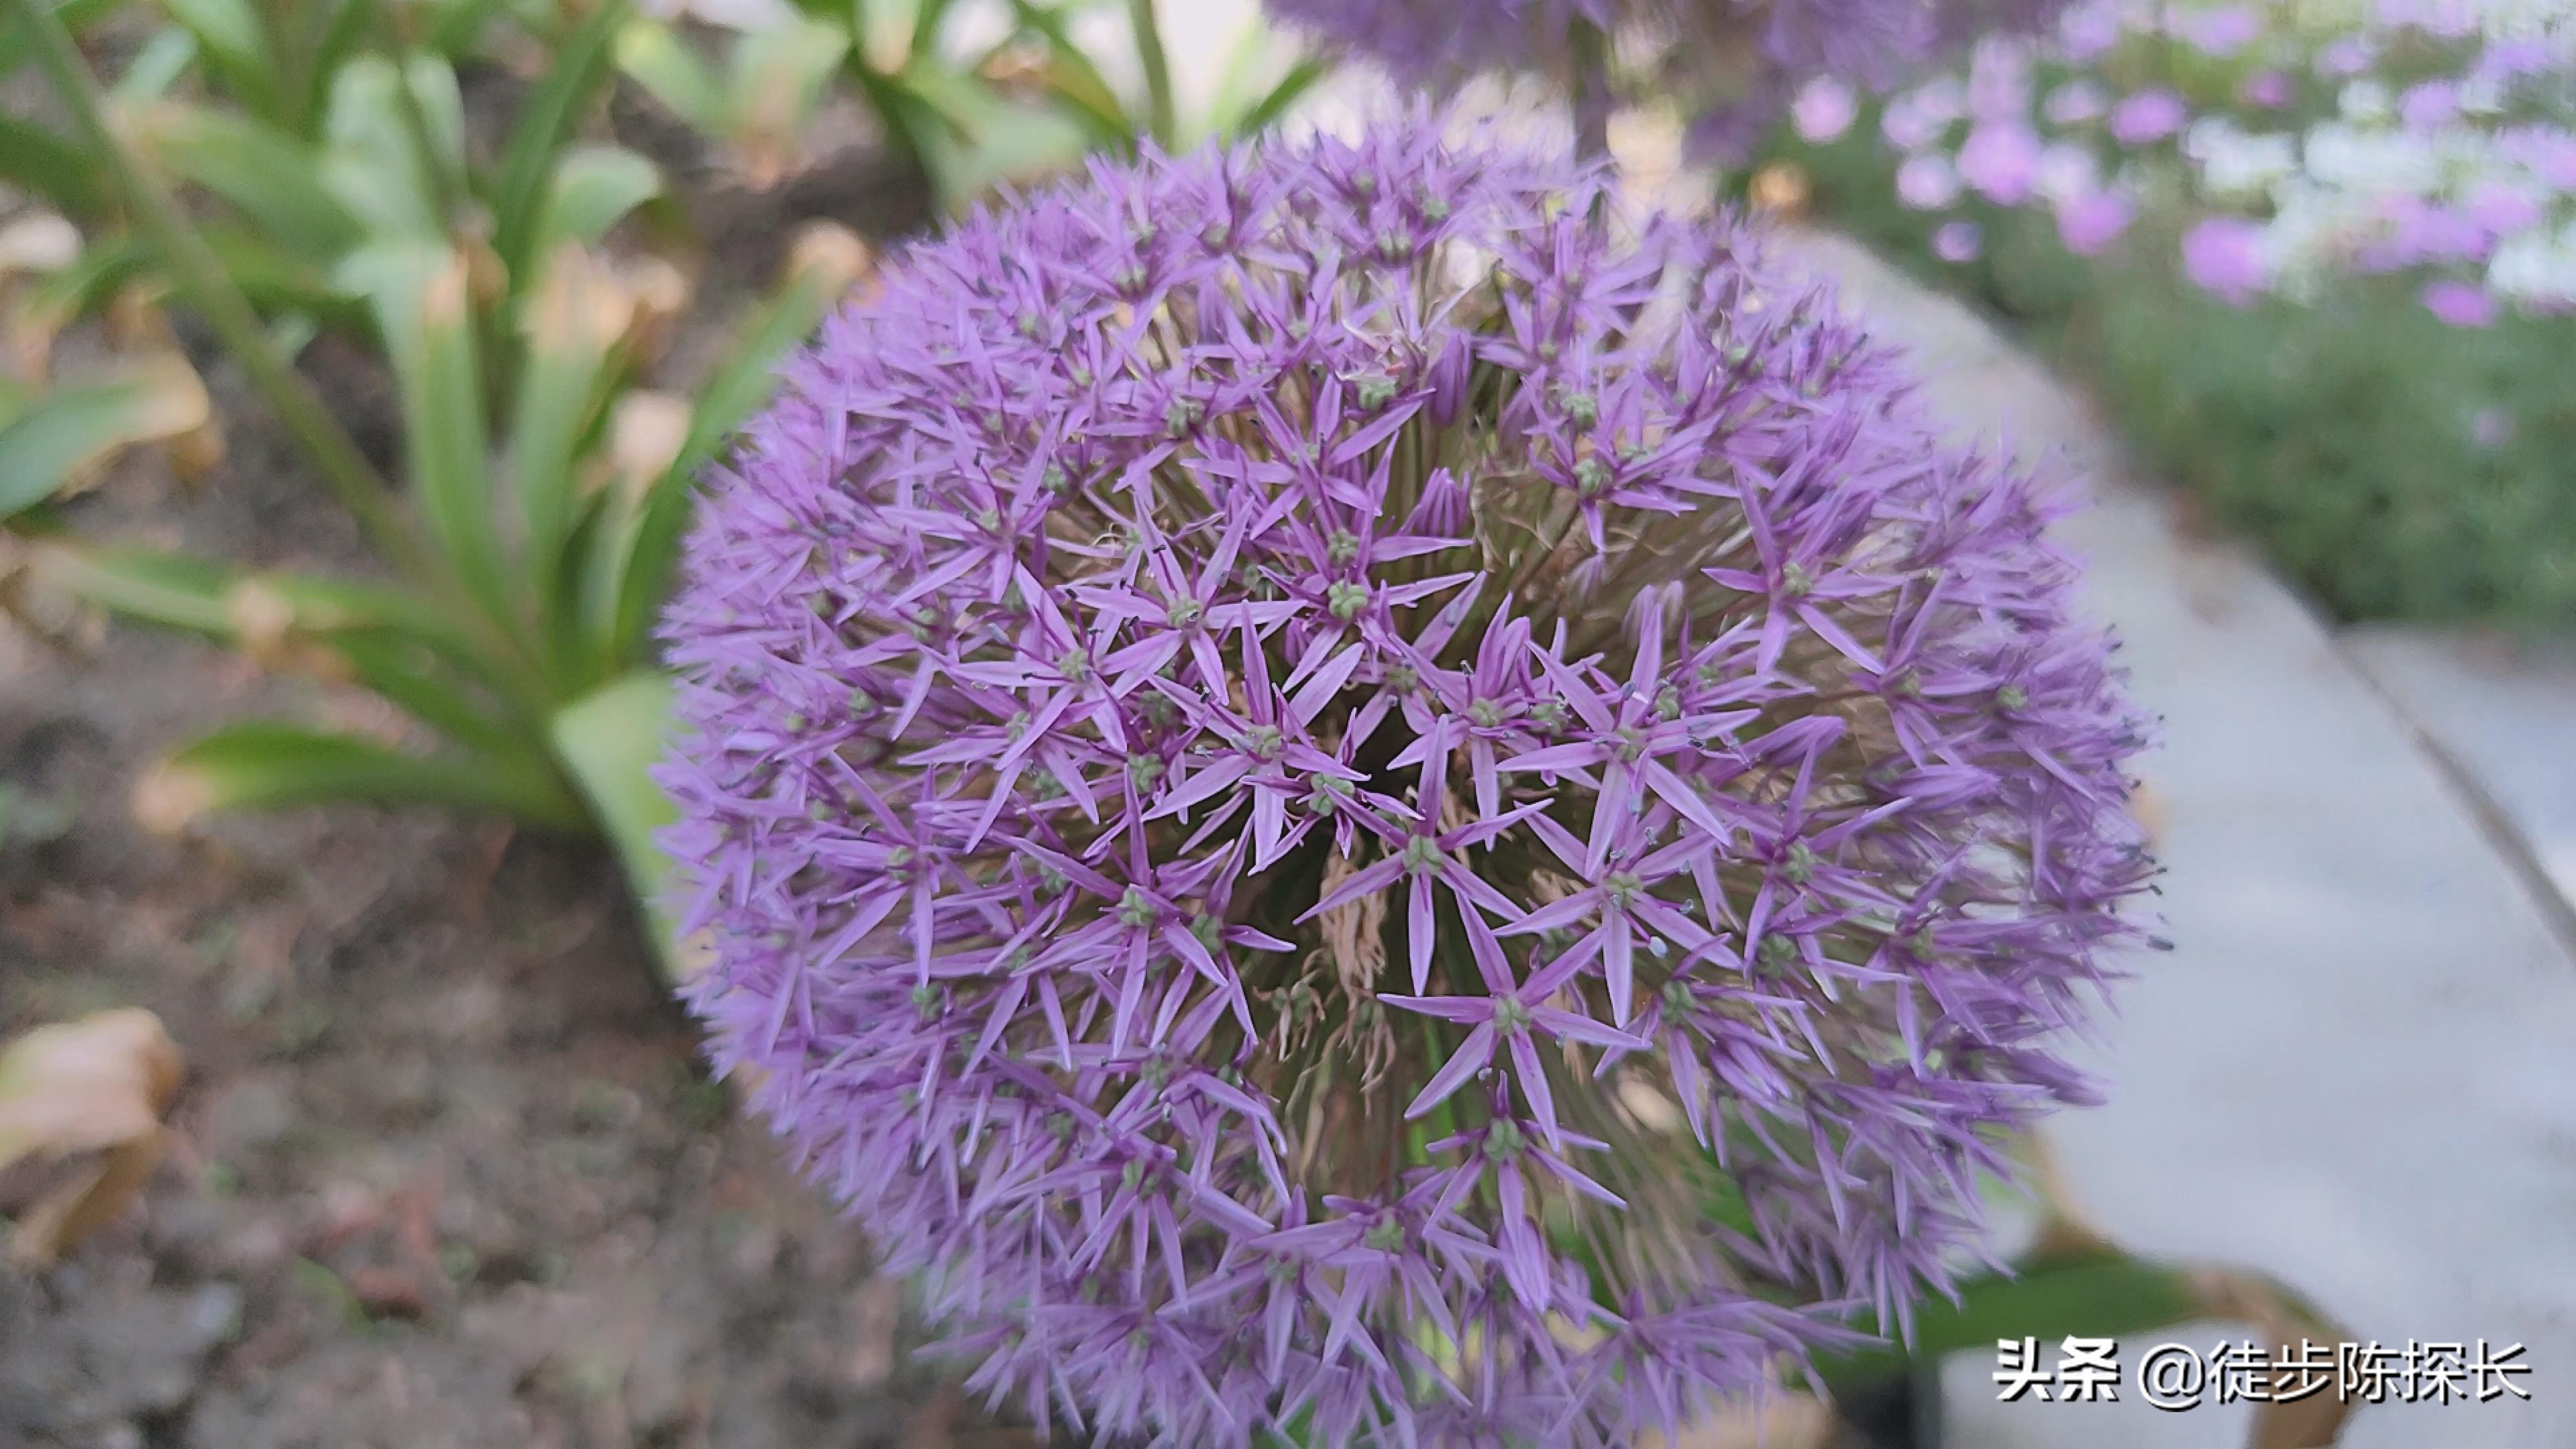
(2502, 713)
(2358, 1071)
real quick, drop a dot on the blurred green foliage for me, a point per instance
(2397, 467)
(283, 169)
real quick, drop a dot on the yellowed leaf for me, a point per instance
(94, 1086)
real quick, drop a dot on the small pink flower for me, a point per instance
(1824, 110)
(2223, 256)
(2460, 304)
(2270, 90)
(2090, 223)
(2349, 56)
(1999, 160)
(1958, 241)
(2426, 106)
(2502, 210)
(2222, 31)
(2147, 116)
(2089, 31)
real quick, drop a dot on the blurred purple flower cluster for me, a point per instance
(1343, 801)
(1732, 66)
(2426, 138)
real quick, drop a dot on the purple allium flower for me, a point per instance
(2087, 32)
(2268, 90)
(2223, 255)
(2219, 30)
(1958, 241)
(2429, 104)
(2460, 304)
(1824, 110)
(1999, 82)
(2149, 115)
(2087, 224)
(2500, 209)
(1328, 791)
(2349, 56)
(1732, 66)
(1927, 182)
(2000, 159)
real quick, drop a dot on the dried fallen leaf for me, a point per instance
(94, 1086)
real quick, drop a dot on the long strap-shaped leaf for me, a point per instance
(744, 384)
(267, 765)
(420, 296)
(546, 119)
(76, 427)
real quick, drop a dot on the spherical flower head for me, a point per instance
(1734, 67)
(1336, 794)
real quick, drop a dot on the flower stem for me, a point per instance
(1592, 99)
(202, 281)
(1162, 117)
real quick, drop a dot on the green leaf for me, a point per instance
(420, 296)
(1072, 79)
(372, 162)
(194, 594)
(609, 741)
(594, 187)
(40, 161)
(546, 117)
(1265, 113)
(741, 386)
(890, 33)
(237, 49)
(168, 589)
(156, 67)
(56, 299)
(412, 675)
(272, 764)
(654, 57)
(571, 332)
(460, 24)
(2091, 1296)
(441, 113)
(267, 173)
(76, 427)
